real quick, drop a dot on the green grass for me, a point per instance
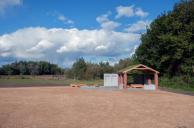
(32, 81)
(177, 83)
(88, 82)
(42, 80)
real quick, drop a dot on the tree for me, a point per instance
(168, 45)
(92, 71)
(6, 69)
(79, 68)
(105, 68)
(123, 63)
(22, 68)
(33, 68)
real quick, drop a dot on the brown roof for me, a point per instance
(137, 67)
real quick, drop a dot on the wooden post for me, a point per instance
(156, 80)
(119, 80)
(122, 80)
(125, 80)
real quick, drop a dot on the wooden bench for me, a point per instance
(136, 85)
(75, 85)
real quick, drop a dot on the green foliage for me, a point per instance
(79, 68)
(30, 68)
(85, 70)
(123, 63)
(177, 83)
(105, 68)
(89, 71)
(168, 45)
(92, 71)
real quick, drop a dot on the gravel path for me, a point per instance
(64, 107)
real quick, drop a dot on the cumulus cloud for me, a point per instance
(4, 4)
(63, 46)
(41, 46)
(140, 12)
(129, 11)
(65, 20)
(139, 26)
(126, 11)
(105, 23)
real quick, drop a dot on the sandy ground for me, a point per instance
(63, 107)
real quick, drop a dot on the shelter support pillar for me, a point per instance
(156, 80)
(125, 80)
(119, 79)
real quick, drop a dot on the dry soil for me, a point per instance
(65, 107)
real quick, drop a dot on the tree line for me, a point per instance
(30, 68)
(86, 70)
(80, 69)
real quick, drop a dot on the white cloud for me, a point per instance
(41, 46)
(138, 26)
(4, 4)
(126, 11)
(129, 11)
(65, 20)
(133, 50)
(60, 17)
(140, 12)
(109, 25)
(63, 46)
(105, 23)
(100, 47)
(104, 17)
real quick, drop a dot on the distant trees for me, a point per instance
(168, 45)
(30, 68)
(87, 70)
(79, 68)
(123, 63)
(105, 68)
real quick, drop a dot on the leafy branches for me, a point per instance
(168, 45)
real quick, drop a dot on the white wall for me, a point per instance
(111, 80)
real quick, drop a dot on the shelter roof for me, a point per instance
(137, 67)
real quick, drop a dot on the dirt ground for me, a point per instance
(64, 107)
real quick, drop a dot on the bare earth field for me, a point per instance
(64, 107)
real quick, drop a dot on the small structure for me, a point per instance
(142, 77)
(111, 80)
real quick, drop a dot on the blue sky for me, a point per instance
(60, 31)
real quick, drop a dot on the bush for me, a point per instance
(181, 82)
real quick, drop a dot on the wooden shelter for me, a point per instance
(145, 77)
